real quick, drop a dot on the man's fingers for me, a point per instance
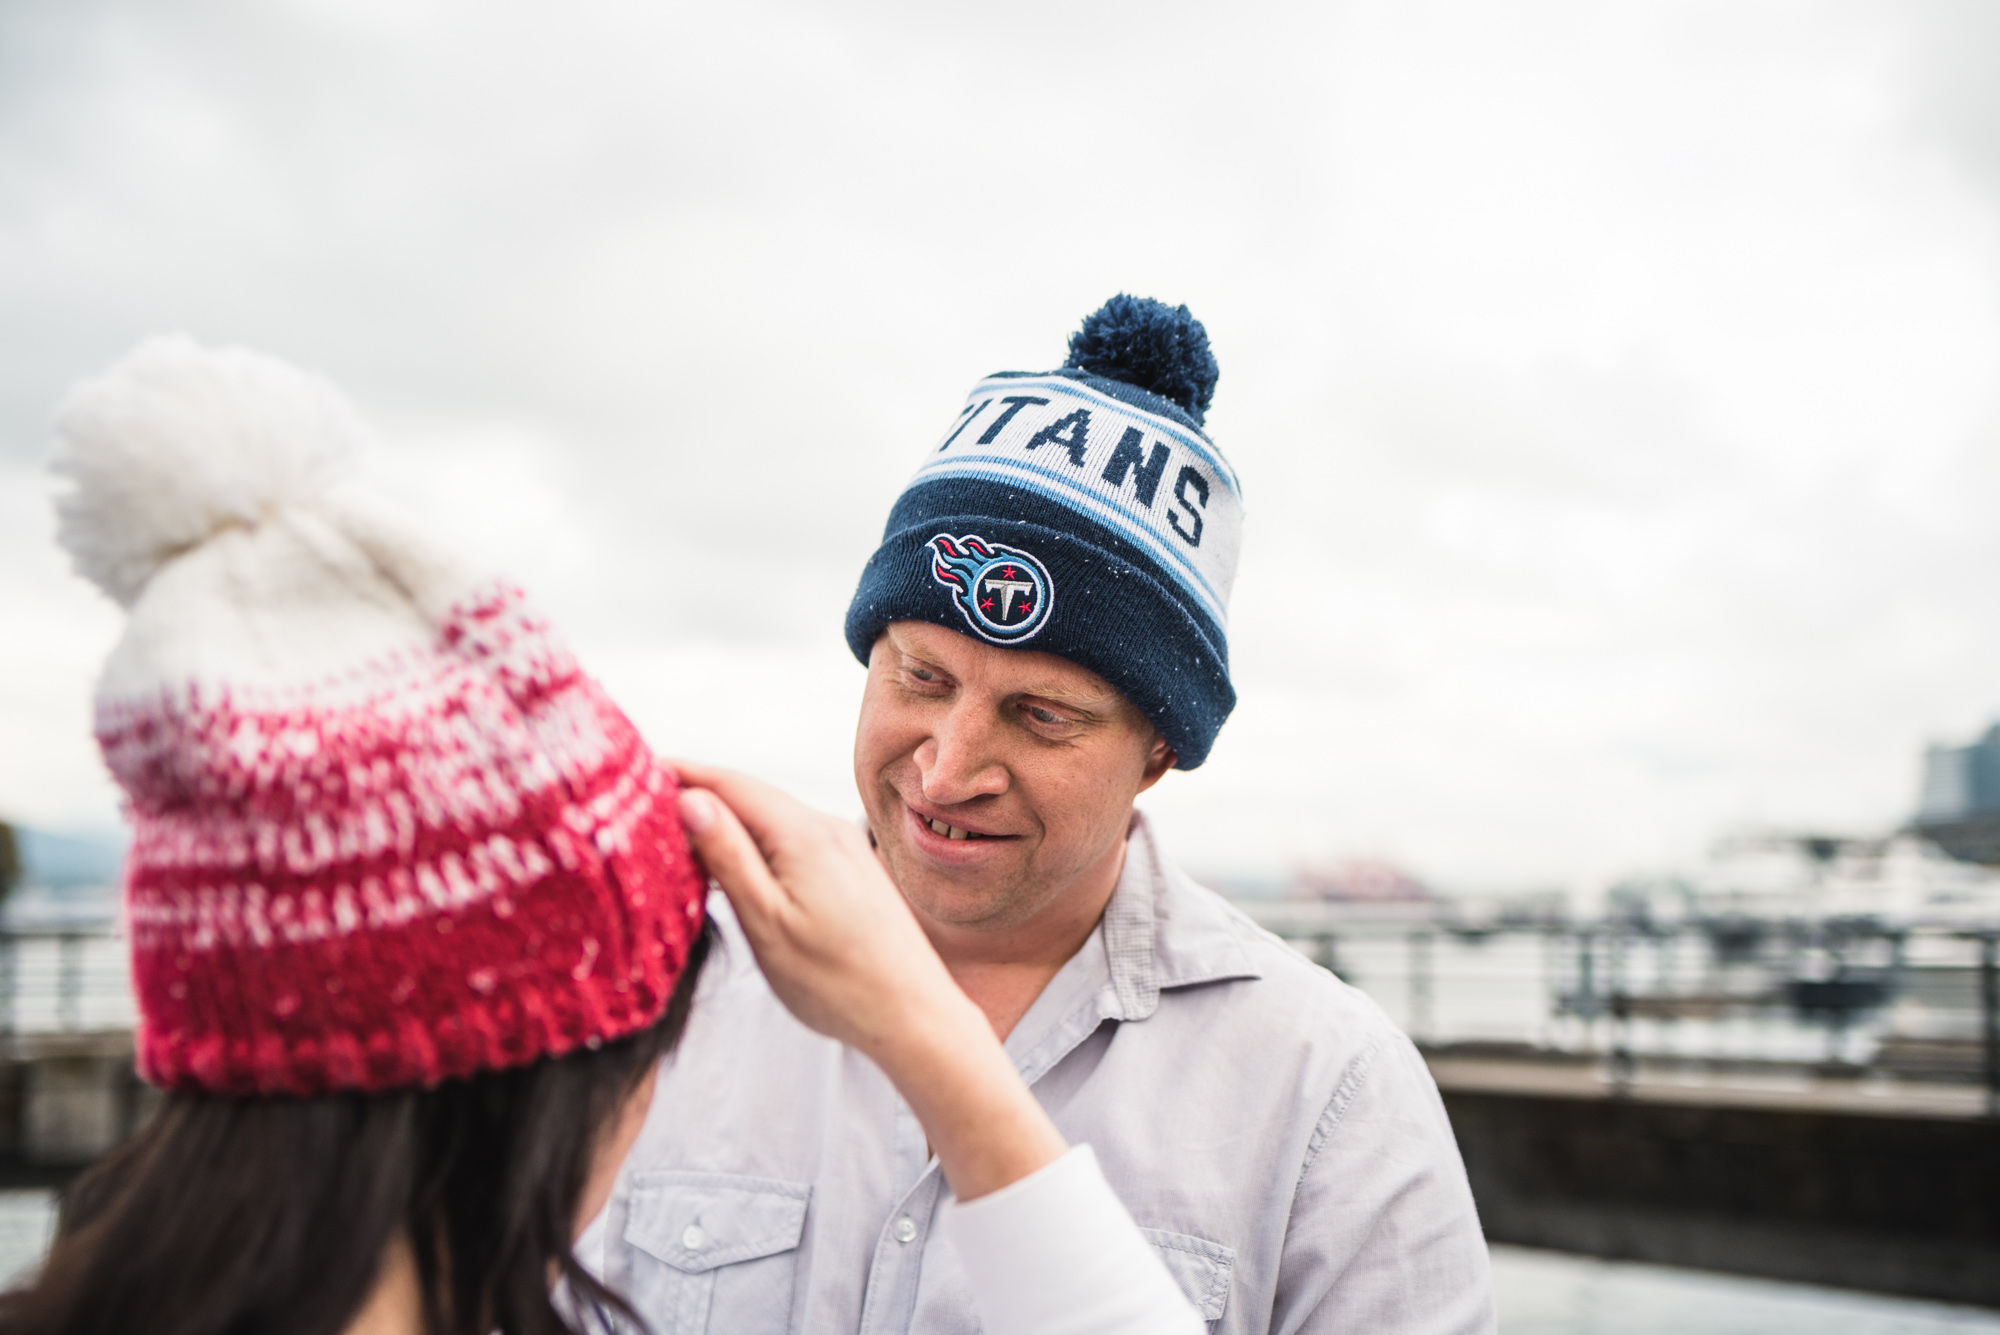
(726, 849)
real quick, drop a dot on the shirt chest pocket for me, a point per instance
(714, 1251)
(1202, 1268)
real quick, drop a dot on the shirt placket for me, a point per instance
(896, 1269)
(897, 1266)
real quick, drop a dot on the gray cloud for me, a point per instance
(1613, 386)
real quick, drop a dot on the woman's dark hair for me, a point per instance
(251, 1216)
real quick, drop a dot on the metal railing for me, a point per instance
(1852, 998)
(64, 980)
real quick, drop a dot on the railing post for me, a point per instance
(1586, 987)
(69, 982)
(1989, 1007)
(1621, 1011)
(1420, 986)
(1837, 1016)
(1550, 1031)
(1899, 963)
(10, 949)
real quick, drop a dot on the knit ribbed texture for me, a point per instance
(385, 831)
(458, 861)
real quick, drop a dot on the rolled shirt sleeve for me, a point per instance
(1056, 1254)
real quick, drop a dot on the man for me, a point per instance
(1043, 629)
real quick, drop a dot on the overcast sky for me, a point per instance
(1615, 387)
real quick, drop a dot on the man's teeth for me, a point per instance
(952, 831)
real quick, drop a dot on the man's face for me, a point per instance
(995, 779)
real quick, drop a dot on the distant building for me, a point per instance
(1961, 781)
(1359, 881)
(1959, 807)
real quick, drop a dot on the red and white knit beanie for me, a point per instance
(385, 831)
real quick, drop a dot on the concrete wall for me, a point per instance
(1894, 1204)
(64, 1101)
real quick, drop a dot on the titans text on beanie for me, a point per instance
(385, 831)
(1084, 513)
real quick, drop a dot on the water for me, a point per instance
(1539, 1293)
(26, 1220)
(1552, 1293)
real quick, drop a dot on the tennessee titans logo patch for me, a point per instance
(1003, 593)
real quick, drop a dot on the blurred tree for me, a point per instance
(10, 860)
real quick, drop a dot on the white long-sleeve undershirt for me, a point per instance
(1056, 1254)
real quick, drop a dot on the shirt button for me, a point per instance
(693, 1238)
(906, 1229)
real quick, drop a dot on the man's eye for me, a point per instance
(1046, 716)
(923, 674)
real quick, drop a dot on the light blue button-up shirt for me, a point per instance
(1275, 1137)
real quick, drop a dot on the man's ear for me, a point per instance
(1158, 761)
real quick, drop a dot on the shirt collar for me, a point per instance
(1163, 931)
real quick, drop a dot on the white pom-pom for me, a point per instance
(175, 442)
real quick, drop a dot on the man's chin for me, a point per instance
(957, 896)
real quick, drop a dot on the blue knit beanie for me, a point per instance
(1084, 513)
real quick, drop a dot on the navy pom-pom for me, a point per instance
(1150, 344)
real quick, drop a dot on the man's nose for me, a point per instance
(959, 760)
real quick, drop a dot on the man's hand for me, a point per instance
(843, 952)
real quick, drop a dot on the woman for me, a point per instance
(413, 921)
